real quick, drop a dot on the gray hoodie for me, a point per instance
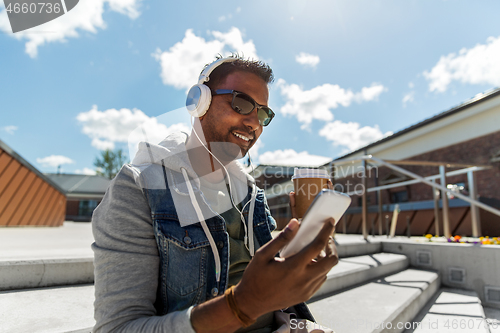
(126, 254)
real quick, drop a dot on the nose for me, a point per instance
(251, 120)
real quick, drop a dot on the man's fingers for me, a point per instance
(330, 248)
(326, 263)
(269, 250)
(330, 184)
(291, 196)
(323, 266)
(312, 250)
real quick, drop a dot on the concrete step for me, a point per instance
(451, 311)
(355, 270)
(25, 273)
(381, 305)
(355, 245)
(44, 268)
(50, 310)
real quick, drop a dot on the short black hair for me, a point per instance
(257, 67)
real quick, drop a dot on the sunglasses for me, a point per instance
(244, 104)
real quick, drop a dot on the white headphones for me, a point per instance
(199, 96)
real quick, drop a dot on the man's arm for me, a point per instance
(127, 264)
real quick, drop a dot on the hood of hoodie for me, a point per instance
(171, 152)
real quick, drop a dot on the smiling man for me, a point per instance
(183, 236)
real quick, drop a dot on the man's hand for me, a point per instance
(291, 196)
(271, 283)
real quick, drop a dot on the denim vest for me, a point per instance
(187, 267)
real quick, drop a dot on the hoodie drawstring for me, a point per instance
(250, 221)
(203, 224)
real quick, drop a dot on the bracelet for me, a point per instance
(244, 320)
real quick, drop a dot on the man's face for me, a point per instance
(227, 132)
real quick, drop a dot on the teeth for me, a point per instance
(241, 136)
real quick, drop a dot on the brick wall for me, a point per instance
(478, 151)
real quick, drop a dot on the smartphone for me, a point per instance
(328, 203)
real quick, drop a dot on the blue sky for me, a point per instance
(347, 72)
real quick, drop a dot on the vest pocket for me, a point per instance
(186, 268)
(183, 266)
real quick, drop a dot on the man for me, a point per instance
(177, 233)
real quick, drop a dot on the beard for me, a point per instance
(226, 151)
(221, 146)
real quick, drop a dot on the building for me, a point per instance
(27, 197)
(83, 193)
(465, 136)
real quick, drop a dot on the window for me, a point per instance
(360, 200)
(86, 207)
(400, 196)
(495, 157)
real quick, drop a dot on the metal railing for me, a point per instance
(430, 180)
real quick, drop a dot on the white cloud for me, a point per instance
(350, 135)
(307, 59)
(85, 16)
(315, 104)
(290, 157)
(54, 160)
(182, 63)
(222, 18)
(126, 7)
(105, 128)
(85, 171)
(102, 144)
(478, 65)
(233, 40)
(370, 93)
(10, 129)
(408, 98)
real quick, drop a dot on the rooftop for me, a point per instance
(479, 98)
(80, 184)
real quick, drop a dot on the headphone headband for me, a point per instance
(205, 74)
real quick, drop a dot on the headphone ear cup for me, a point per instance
(198, 100)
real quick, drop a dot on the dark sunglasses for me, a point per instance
(244, 104)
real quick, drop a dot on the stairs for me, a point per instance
(368, 291)
(46, 277)
(379, 292)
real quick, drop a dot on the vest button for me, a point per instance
(215, 291)
(187, 240)
(220, 244)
